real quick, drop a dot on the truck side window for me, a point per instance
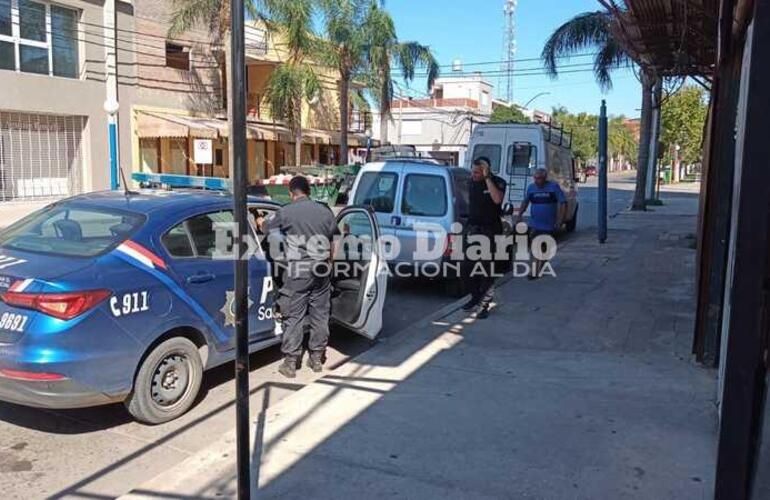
(424, 195)
(377, 190)
(491, 151)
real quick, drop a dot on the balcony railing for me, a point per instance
(452, 102)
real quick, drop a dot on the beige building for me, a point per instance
(53, 123)
(167, 123)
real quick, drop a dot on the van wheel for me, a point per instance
(571, 224)
(167, 382)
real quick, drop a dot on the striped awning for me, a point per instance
(152, 124)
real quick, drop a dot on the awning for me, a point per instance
(156, 124)
(169, 125)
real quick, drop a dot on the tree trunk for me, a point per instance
(645, 135)
(344, 110)
(298, 135)
(384, 123)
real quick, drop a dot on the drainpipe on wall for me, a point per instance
(111, 105)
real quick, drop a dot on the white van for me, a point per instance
(515, 150)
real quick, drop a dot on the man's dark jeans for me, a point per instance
(480, 274)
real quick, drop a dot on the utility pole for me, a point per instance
(237, 110)
(111, 105)
(602, 195)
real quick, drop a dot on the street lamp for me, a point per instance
(541, 94)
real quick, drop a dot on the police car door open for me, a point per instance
(360, 274)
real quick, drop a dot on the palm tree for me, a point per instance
(386, 51)
(362, 44)
(291, 82)
(345, 49)
(294, 81)
(594, 31)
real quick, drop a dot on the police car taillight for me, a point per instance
(59, 305)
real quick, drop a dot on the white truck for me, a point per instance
(515, 150)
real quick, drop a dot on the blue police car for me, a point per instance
(113, 296)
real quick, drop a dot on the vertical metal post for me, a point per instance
(237, 110)
(602, 195)
(111, 82)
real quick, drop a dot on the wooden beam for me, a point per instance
(749, 296)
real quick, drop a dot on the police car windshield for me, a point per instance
(71, 231)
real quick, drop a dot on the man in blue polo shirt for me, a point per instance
(548, 208)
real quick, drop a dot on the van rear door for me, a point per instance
(520, 158)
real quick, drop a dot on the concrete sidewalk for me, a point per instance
(577, 387)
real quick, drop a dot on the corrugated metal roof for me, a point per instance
(673, 37)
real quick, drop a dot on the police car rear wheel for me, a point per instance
(167, 382)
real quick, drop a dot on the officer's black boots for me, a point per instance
(316, 362)
(289, 367)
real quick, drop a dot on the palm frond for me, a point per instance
(589, 30)
(190, 14)
(610, 57)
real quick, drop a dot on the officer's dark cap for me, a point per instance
(481, 161)
(299, 183)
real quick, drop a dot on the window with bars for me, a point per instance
(37, 37)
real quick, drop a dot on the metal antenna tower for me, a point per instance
(509, 48)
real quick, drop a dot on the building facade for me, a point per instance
(53, 127)
(54, 138)
(440, 126)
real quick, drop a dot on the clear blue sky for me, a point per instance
(472, 30)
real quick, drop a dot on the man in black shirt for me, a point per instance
(487, 192)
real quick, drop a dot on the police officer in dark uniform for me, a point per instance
(486, 198)
(307, 229)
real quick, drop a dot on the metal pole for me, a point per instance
(237, 110)
(602, 195)
(111, 81)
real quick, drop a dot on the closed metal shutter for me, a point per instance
(41, 156)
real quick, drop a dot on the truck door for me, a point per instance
(519, 161)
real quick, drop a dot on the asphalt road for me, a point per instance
(102, 453)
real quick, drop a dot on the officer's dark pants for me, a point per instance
(305, 301)
(480, 275)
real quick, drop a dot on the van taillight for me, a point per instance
(59, 305)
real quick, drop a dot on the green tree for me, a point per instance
(361, 43)
(583, 127)
(623, 145)
(293, 82)
(386, 51)
(683, 119)
(508, 114)
(596, 31)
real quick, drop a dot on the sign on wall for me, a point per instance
(203, 151)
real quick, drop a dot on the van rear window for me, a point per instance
(71, 231)
(492, 152)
